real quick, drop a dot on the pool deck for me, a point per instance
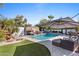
(54, 50)
(57, 51)
(36, 40)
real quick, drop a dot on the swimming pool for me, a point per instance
(44, 36)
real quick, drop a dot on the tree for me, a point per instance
(20, 21)
(24, 22)
(43, 21)
(50, 17)
(2, 20)
(10, 26)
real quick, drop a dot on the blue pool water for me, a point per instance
(44, 36)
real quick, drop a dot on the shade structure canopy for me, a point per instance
(61, 23)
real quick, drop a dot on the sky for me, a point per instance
(34, 12)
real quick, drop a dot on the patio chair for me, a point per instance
(70, 43)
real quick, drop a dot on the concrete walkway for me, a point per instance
(18, 39)
(12, 42)
(57, 51)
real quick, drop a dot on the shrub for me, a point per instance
(2, 35)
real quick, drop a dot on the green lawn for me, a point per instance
(24, 48)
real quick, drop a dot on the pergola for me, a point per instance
(62, 24)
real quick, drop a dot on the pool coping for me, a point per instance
(53, 38)
(29, 38)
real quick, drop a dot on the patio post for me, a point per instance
(65, 31)
(62, 30)
(76, 29)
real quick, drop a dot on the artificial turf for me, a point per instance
(24, 48)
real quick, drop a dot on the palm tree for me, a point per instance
(50, 17)
(10, 26)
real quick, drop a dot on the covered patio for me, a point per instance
(64, 25)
